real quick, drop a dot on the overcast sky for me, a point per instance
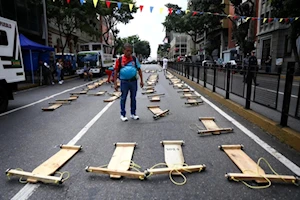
(148, 26)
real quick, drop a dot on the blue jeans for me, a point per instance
(58, 72)
(127, 86)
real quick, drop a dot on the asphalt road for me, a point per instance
(31, 136)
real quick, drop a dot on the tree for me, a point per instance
(289, 9)
(194, 23)
(241, 31)
(113, 15)
(141, 48)
(69, 17)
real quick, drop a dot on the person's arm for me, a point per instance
(116, 74)
(141, 77)
(140, 72)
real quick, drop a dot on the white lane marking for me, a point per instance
(41, 100)
(273, 91)
(285, 161)
(29, 188)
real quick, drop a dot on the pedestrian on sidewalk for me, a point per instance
(59, 67)
(126, 68)
(47, 74)
(268, 63)
(165, 64)
(253, 66)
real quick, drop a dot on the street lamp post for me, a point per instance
(45, 22)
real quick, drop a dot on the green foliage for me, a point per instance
(113, 15)
(194, 24)
(240, 33)
(141, 47)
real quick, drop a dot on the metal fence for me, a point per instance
(270, 90)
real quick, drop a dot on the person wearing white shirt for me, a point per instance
(165, 64)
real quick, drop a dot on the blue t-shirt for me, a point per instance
(129, 71)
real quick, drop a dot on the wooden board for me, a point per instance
(114, 96)
(212, 127)
(149, 91)
(192, 101)
(120, 160)
(60, 102)
(52, 107)
(51, 165)
(185, 90)
(173, 154)
(98, 93)
(190, 95)
(155, 98)
(243, 161)
(157, 111)
(78, 93)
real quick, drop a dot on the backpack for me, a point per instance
(120, 63)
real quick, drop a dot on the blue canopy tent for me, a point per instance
(29, 45)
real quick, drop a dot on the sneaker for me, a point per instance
(134, 117)
(60, 82)
(53, 83)
(124, 119)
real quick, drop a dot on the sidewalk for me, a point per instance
(26, 85)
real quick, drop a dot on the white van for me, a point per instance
(11, 63)
(96, 60)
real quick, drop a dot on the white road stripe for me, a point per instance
(285, 161)
(41, 100)
(29, 188)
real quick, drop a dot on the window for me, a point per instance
(3, 38)
(288, 47)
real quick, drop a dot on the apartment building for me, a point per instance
(273, 39)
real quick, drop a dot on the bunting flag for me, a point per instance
(161, 10)
(119, 5)
(265, 19)
(130, 7)
(194, 13)
(141, 8)
(151, 9)
(107, 4)
(95, 3)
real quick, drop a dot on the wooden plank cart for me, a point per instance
(251, 171)
(174, 160)
(154, 97)
(212, 127)
(44, 171)
(158, 112)
(115, 95)
(120, 163)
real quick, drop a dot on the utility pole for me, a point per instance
(45, 22)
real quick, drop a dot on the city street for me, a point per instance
(30, 136)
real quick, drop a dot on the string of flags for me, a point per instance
(170, 11)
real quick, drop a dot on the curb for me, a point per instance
(284, 134)
(25, 87)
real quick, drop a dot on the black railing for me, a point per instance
(267, 89)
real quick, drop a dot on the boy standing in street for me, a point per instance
(126, 68)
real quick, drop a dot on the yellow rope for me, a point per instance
(175, 168)
(263, 176)
(62, 175)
